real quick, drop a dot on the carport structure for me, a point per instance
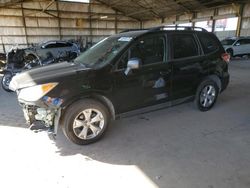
(26, 22)
(177, 147)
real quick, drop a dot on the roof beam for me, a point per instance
(48, 5)
(179, 3)
(10, 3)
(118, 2)
(147, 9)
(117, 10)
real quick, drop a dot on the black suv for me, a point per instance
(131, 72)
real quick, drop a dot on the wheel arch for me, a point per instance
(98, 97)
(104, 100)
(216, 79)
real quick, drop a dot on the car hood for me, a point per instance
(44, 74)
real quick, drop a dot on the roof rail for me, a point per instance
(159, 28)
(128, 30)
(177, 28)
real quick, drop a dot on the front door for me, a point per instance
(148, 85)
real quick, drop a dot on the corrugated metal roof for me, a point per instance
(150, 9)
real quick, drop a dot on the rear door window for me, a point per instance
(184, 46)
(50, 45)
(63, 44)
(208, 43)
(58, 45)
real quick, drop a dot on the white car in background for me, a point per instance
(237, 46)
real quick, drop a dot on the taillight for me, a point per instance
(226, 57)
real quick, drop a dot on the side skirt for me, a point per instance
(154, 107)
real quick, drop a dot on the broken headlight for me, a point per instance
(34, 93)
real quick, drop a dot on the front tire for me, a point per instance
(206, 95)
(85, 121)
(7, 77)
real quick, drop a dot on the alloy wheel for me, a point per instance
(88, 124)
(207, 96)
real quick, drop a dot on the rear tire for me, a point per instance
(85, 121)
(7, 77)
(206, 95)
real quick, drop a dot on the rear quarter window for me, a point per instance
(209, 43)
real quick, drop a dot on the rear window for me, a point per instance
(208, 43)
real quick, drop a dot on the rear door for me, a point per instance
(186, 62)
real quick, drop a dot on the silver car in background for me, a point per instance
(54, 48)
(237, 46)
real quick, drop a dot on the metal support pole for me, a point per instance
(116, 24)
(213, 20)
(24, 25)
(90, 23)
(4, 50)
(239, 23)
(194, 16)
(59, 20)
(162, 20)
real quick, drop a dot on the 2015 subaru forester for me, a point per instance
(131, 72)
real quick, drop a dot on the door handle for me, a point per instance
(165, 73)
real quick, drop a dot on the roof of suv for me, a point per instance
(138, 32)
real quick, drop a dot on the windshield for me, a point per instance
(227, 42)
(103, 52)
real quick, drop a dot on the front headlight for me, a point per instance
(34, 93)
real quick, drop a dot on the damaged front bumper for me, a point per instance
(47, 110)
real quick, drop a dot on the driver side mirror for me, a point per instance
(133, 63)
(237, 44)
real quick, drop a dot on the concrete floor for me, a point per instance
(178, 147)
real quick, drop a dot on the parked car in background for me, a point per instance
(131, 72)
(20, 59)
(237, 46)
(55, 48)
